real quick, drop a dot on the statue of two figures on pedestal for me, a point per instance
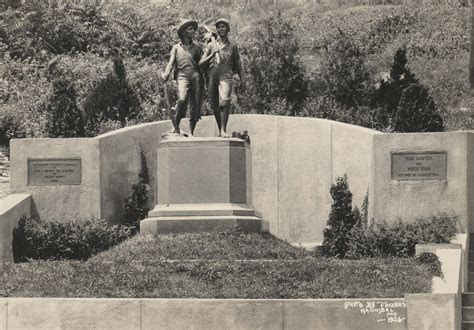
(212, 66)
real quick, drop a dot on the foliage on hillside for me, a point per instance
(304, 60)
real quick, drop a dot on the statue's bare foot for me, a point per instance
(225, 135)
(172, 131)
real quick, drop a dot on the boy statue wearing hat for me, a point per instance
(184, 59)
(223, 60)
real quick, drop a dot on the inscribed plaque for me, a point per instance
(54, 172)
(419, 166)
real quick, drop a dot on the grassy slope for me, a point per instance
(137, 268)
(437, 38)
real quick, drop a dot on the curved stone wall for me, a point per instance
(294, 162)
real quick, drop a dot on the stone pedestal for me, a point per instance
(204, 184)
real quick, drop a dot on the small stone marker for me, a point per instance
(419, 166)
(54, 172)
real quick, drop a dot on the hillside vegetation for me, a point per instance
(95, 67)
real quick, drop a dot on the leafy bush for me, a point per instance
(111, 99)
(432, 261)
(77, 239)
(64, 118)
(344, 74)
(58, 28)
(24, 89)
(136, 205)
(275, 71)
(341, 220)
(399, 239)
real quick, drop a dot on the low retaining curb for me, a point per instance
(67, 313)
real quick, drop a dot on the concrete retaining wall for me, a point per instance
(441, 309)
(58, 202)
(412, 199)
(294, 163)
(67, 313)
(12, 209)
(120, 164)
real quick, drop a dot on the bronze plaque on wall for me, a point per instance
(54, 172)
(419, 166)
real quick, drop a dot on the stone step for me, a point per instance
(211, 209)
(470, 277)
(192, 224)
(468, 313)
(468, 325)
(468, 299)
(470, 267)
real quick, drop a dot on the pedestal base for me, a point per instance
(203, 184)
(188, 218)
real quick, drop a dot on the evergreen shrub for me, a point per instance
(405, 104)
(136, 205)
(341, 220)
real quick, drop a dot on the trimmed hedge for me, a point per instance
(78, 239)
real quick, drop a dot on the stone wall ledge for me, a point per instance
(415, 311)
(12, 209)
(125, 313)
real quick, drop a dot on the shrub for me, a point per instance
(136, 205)
(416, 112)
(64, 118)
(344, 74)
(275, 71)
(111, 99)
(341, 220)
(432, 261)
(405, 104)
(24, 89)
(77, 239)
(399, 239)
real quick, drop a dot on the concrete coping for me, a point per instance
(11, 201)
(430, 247)
(200, 141)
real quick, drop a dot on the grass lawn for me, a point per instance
(219, 265)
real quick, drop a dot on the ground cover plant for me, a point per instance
(140, 267)
(231, 244)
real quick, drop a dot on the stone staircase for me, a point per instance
(468, 297)
(4, 167)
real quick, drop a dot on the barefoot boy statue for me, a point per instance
(223, 59)
(184, 59)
